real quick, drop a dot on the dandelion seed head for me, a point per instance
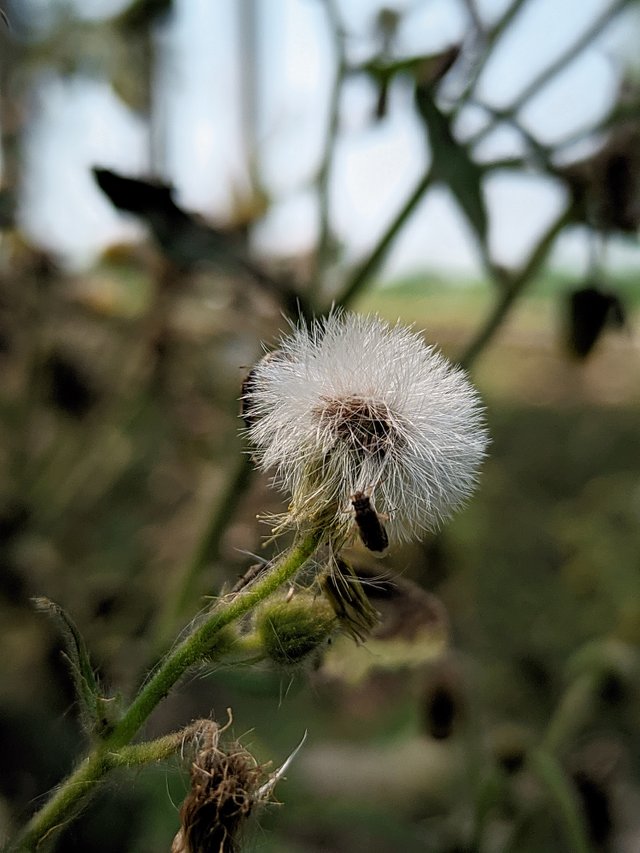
(351, 404)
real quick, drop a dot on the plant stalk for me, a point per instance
(83, 780)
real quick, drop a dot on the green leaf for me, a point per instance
(563, 796)
(428, 68)
(95, 709)
(452, 163)
(143, 14)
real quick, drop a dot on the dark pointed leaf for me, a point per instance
(142, 14)
(590, 311)
(452, 163)
(185, 238)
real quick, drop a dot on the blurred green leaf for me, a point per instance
(141, 14)
(559, 788)
(452, 163)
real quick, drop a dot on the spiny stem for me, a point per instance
(83, 781)
(64, 803)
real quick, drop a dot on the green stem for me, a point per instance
(84, 779)
(360, 277)
(574, 710)
(513, 288)
(64, 802)
(139, 754)
(558, 788)
(196, 644)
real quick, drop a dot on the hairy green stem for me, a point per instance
(64, 803)
(139, 754)
(70, 793)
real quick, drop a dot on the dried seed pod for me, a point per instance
(591, 310)
(605, 187)
(343, 590)
(225, 786)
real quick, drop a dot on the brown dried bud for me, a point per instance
(226, 785)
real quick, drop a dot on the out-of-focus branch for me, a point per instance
(474, 16)
(514, 286)
(371, 264)
(551, 70)
(619, 116)
(490, 39)
(359, 278)
(326, 163)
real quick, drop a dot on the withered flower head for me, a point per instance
(226, 786)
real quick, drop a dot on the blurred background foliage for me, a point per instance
(126, 494)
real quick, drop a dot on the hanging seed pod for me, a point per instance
(227, 787)
(444, 703)
(590, 311)
(223, 793)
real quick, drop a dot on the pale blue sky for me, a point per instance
(81, 123)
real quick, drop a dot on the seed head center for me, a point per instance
(366, 426)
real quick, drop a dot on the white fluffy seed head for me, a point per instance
(352, 404)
